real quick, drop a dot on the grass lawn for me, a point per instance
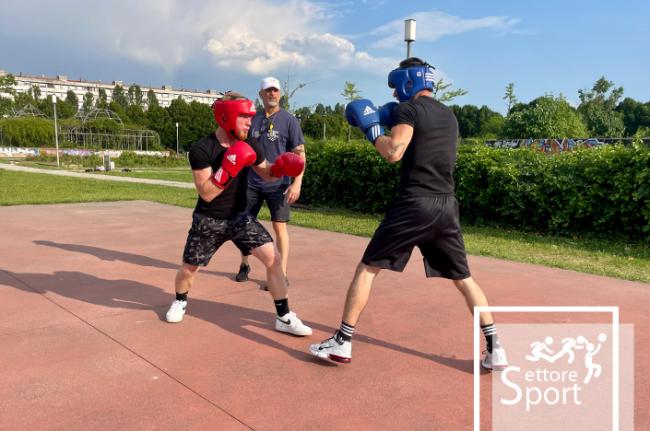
(603, 257)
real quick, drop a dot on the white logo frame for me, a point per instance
(476, 329)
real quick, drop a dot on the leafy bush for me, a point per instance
(131, 159)
(349, 175)
(603, 192)
(127, 159)
(27, 132)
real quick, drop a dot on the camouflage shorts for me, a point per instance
(208, 234)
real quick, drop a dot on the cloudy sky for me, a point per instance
(541, 46)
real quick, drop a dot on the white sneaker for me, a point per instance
(290, 324)
(337, 350)
(176, 311)
(496, 360)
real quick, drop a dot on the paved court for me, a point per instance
(84, 345)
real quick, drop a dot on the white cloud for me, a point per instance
(431, 26)
(256, 36)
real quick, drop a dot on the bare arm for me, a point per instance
(207, 190)
(392, 147)
(264, 171)
(293, 191)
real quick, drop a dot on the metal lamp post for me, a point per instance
(176, 137)
(409, 35)
(56, 132)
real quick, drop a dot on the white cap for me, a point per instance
(270, 82)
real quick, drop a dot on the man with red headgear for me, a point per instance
(219, 164)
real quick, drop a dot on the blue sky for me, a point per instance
(542, 46)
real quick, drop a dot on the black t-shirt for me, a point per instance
(428, 162)
(208, 152)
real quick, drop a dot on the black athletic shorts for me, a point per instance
(276, 201)
(432, 224)
(207, 234)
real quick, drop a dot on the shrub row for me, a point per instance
(127, 159)
(604, 191)
(26, 132)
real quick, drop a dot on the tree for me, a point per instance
(181, 113)
(72, 99)
(102, 99)
(7, 84)
(477, 122)
(634, 115)
(158, 119)
(119, 110)
(350, 91)
(23, 99)
(259, 107)
(135, 95)
(35, 92)
(119, 97)
(6, 106)
(87, 104)
(446, 96)
(510, 97)
(544, 117)
(152, 100)
(288, 92)
(597, 109)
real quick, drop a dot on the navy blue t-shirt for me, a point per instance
(276, 134)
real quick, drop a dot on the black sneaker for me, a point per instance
(242, 275)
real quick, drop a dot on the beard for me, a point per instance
(242, 135)
(272, 103)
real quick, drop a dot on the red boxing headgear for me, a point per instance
(227, 111)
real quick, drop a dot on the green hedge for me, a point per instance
(604, 191)
(127, 159)
(348, 175)
(27, 132)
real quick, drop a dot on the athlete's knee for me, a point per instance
(187, 271)
(464, 285)
(269, 255)
(363, 268)
(280, 228)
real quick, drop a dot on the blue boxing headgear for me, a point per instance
(412, 76)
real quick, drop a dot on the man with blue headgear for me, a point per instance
(424, 212)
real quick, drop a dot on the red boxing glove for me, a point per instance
(237, 157)
(288, 164)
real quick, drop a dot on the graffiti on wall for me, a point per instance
(553, 145)
(32, 152)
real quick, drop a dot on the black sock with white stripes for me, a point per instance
(345, 332)
(490, 332)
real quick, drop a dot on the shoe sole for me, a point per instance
(495, 367)
(293, 333)
(340, 359)
(335, 358)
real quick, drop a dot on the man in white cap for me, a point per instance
(277, 132)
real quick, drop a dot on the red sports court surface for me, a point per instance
(84, 345)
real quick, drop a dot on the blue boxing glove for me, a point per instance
(387, 115)
(363, 114)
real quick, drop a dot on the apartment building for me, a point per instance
(60, 86)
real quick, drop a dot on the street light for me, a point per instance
(56, 132)
(177, 137)
(409, 35)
